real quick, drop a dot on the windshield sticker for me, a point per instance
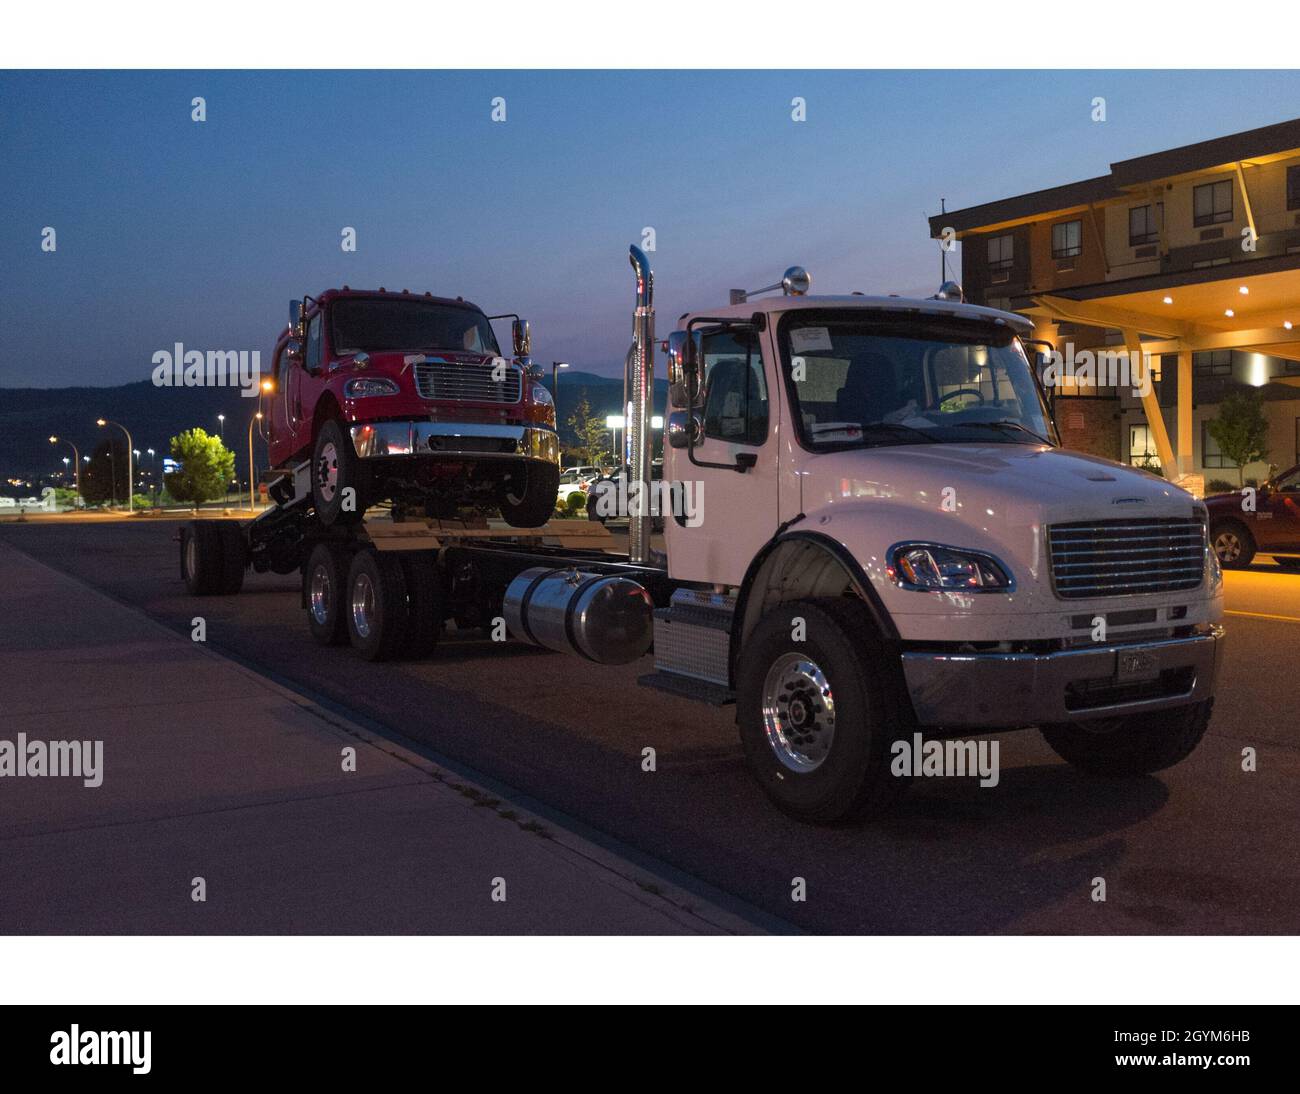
(810, 339)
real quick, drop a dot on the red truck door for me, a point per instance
(1277, 520)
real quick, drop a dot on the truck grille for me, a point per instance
(456, 381)
(1118, 557)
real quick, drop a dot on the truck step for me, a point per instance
(700, 691)
(693, 636)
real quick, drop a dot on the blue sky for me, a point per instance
(171, 230)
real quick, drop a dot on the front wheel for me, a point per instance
(1135, 745)
(528, 497)
(1233, 544)
(816, 711)
(338, 479)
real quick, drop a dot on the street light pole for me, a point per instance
(130, 463)
(555, 381)
(77, 462)
(252, 504)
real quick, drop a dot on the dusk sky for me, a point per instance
(174, 231)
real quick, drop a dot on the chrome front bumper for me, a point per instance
(1011, 690)
(455, 440)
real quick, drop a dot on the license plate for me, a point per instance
(1135, 665)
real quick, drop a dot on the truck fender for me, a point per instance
(797, 565)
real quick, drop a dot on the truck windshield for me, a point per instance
(891, 380)
(362, 323)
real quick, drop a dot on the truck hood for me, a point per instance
(999, 484)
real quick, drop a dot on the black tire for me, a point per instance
(375, 606)
(531, 505)
(324, 592)
(336, 469)
(424, 604)
(201, 564)
(1288, 563)
(234, 557)
(851, 777)
(1135, 745)
(1233, 543)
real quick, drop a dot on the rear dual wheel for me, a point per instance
(392, 605)
(213, 557)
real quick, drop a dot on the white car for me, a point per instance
(574, 479)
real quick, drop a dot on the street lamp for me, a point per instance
(130, 462)
(153, 475)
(221, 421)
(555, 379)
(77, 461)
(252, 474)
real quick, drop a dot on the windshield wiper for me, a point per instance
(1005, 422)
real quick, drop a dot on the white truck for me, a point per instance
(871, 532)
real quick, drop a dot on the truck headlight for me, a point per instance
(541, 396)
(932, 567)
(363, 386)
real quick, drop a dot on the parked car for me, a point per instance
(575, 480)
(1238, 532)
(606, 496)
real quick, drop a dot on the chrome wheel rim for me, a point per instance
(798, 712)
(327, 471)
(1227, 546)
(322, 594)
(363, 605)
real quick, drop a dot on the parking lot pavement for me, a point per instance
(284, 816)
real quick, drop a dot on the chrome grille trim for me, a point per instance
(462, 382)
(1121, 557)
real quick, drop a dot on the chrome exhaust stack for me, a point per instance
(639, 384)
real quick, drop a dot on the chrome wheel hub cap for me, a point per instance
(327, 472)
(321, 595)
(798, 712)
(363, 605)
(1227, 546)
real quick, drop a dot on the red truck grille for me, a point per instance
(1118, 557)
(461, 382)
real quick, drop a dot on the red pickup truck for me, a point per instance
(1270, 526)
(406, 398)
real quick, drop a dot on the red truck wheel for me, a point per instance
(528, 499)
(338, 480)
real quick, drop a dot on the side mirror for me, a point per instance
(293, 352)
(683, 369)
(295, 317)
(522, 338)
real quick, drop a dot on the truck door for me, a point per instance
(1277, 523)
(737, 512)
(299, 396)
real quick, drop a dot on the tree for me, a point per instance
(104, 478)
(206, 467)
(1241, 430)
(591, 432)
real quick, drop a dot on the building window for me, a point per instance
(1214, 362)
(1210, 454)
(1212, 203)
(1144, 224)
(1067, 239)
(1293, 187)
(1141, 447)
(1001, 257)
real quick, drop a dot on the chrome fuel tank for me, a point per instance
(602, 617)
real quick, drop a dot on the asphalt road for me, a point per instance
(1202, 848)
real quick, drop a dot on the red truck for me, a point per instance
(403, 397)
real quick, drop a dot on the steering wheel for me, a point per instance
(963, 391)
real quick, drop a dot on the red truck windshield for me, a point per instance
(385, 325)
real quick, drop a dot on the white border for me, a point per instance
(666, 34)
(121, 971)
